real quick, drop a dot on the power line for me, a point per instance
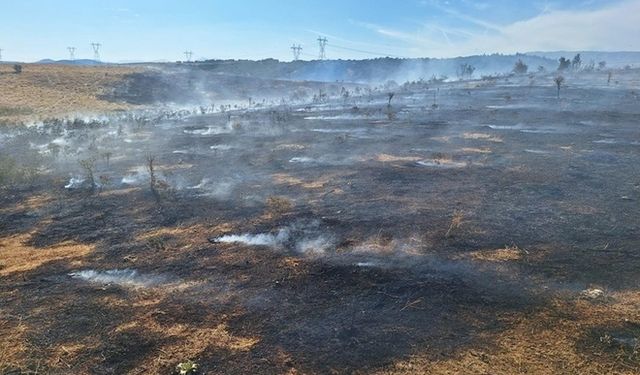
(322, 42)
(296, 52)
(364, 51)
(96, 50)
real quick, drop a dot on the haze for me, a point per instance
(150, 30)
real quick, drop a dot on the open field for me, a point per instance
(47, 91)
(483, 227)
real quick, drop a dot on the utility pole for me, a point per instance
(187, 55)
(96, 51)
(72, 53)
(323, 44)
(296, 52)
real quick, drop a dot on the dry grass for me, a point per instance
(481, 136)
(456, 221)
(318, 183)
(554, 340)
(17, 256)
(508, 253)
(31, 203)
(386, 158)
(474, 150)
(277, 206)
(13, 342)
(42, 91)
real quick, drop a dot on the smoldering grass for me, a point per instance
(122, 277)
(302, 238)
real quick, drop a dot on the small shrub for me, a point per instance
(187, 368)
(564, 64)
(520, 67)
(17, 171)
(17, 68)
(89, 166)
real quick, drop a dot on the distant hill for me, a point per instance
(373, 70)
(70, 62)
(613, 59)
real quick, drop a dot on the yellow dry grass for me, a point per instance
(42, 91)
(30, 204)
(277, 206)
(481, 136)
(16, 255)
(184, 341)
(508, 253)
(13, 347)
(386, 158)
(544, 342)
(475, 150)
(319, 183)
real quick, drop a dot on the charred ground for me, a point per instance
(460, 234)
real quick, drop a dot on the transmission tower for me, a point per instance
(72, 53)
(296, 52)
(323, 44)
(187, 55)
(1, 54)
(96, 51)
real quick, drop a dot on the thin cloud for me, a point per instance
(614, 27)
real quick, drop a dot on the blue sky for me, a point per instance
(162, 29)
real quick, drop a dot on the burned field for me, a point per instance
(469, 227)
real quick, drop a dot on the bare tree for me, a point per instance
(465, 70)
(390, 95)
(153, 182)
(107, 156)
(558, 80)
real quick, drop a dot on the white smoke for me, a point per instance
(221, 147)
(210, 130)
(441, 164)
(123, 277)
(305, 238)
(301, 159)
(74, 183)
(138, 176)
(260, 239)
